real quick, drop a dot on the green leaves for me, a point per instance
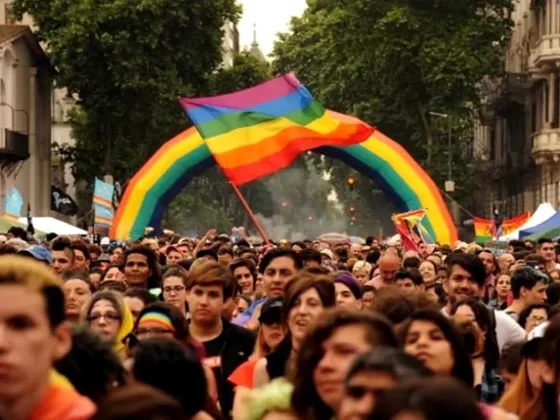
(391, 62)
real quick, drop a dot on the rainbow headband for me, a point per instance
(156, 318)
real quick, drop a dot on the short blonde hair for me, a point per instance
(37, 277)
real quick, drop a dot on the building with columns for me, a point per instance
(25, 118)
(518, 131)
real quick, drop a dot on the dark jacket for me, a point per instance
(239, 345)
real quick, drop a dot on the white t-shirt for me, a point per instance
(508, 331)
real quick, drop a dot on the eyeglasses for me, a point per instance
(152, 332)
(176, 289)
(536, 320)
(109, 317)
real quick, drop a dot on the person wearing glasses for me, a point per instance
(174, 288)
(528, 287)
(107, 314)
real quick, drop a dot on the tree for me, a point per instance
(393, 62)
(127, 61)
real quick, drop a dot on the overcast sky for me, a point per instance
(271, 17)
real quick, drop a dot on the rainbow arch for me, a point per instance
(185, 156)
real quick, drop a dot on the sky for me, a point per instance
(270, 16)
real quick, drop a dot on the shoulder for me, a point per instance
(260, 376)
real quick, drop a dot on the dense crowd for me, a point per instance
(218, 328)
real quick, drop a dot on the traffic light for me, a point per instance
(352, 209)
(285, 204)
(353, 218)
(351, 181)
(351, 223)
(310, 218)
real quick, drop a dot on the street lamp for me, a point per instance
(449, 184)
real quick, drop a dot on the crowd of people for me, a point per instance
(215, 328)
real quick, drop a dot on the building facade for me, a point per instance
(519, 127)
(25, 118)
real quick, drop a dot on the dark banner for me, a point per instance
(62, 202)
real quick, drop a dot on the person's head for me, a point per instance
(398, 305)
(310, 257)
(411, 262)
(510, 362)
(17, 232)
(95, 275)
(337, 337)
(160, 320)
(245, 274)
(428, 270)
(172, 255)
(368, 296)
(361, 270)
(114, 272)
(138, 401)
(82, 259)
(481, 333)
(348, 290)
(553, 293)
(116, 252)
(505, 261)
(545, 247)
(436, 342)
(307, 295)
(428, 398)
(533, 315)
(389, 264)
(141, 268)
(174, 285)
(409, 280)
(503, 285)
(272, 327)
(94, 252)
(137, 299)
(488, 260)
(466, 277)
(91, 366)
(62, 255)
(276, 267)
(166, 364)
(529, 285)
(34, 332)
(373, 373)
(209, 286)
(104, 312)
(77, 289)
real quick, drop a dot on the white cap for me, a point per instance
(105, 241)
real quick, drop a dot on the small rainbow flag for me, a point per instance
(257, 131)
(484, 230)
(511, 225)
(103, 203)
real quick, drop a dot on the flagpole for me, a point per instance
(250, 213)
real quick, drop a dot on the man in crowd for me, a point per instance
(528, 287)
(141, 268)
(209, 286)
(466, 278)
(389, 264)
(33, 336)
(276, 267)
(62, 255)
(546, 249)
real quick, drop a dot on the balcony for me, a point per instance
(14, 149)
(546, 53)
(546, 146)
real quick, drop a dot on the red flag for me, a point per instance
(406, 238)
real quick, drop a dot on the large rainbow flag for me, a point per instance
(258, 131)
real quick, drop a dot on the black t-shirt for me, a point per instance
(213, 359)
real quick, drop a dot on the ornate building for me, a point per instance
(519, 127)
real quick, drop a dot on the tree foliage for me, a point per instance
(392, 62)
(126, 61)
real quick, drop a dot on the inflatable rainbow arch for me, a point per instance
(185, 156)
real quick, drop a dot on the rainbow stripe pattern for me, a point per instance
(187, 155)
(151, 318)
(258, 131)
(103, 203)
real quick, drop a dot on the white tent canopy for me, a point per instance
(544, 212)
(52, 225)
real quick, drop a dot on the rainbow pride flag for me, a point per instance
(484, 230)
(258, 131)
(511, 225)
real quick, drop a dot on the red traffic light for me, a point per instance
(285, 204)
(353, 218)
(310, 218)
